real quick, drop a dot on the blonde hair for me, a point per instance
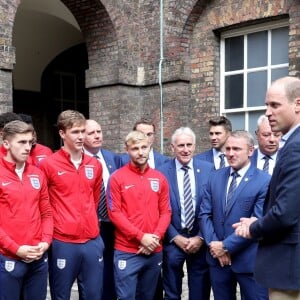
(135, 137)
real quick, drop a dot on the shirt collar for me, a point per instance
(285, 137)
(241, 171)
(180, 165)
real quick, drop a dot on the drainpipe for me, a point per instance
(160, 76)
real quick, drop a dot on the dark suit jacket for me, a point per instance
(278, 257)
(216, 218)
(202, 170)
(159, 159)
(112, 160)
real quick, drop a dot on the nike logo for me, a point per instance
(159, 264)
(5, 183)
(128, 186)
(59, 173)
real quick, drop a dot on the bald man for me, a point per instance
(110, 162)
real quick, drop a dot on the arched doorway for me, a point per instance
(50, 57)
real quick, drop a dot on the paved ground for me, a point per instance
(74, 295)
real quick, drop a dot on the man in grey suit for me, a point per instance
(278, 231)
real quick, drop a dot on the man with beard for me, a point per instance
(138, 205)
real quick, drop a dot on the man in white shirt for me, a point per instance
(264, 157)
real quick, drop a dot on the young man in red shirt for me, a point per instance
(74, 182)
(138, 205)
(26, 224)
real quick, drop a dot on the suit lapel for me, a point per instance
(174, 183)
(244, 181)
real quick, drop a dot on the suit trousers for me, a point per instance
(197, 272)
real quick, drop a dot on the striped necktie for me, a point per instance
(188, 201)
(222, 160)
(232, 187)
(102, 208)
(266, 164)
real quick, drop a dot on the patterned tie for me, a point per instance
(266, 164)
(102, 208)
(222, 161)
(188, 202)
(232, 187)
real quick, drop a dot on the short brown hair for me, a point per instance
(68, 118)
(221, 121)
(16, 127)
(144, 121)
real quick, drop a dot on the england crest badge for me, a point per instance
(9, 265)
(35, 182)
(121, 264)
(154, 185)
(61, 263)
(89, 172)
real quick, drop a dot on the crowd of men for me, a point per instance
(124, 225)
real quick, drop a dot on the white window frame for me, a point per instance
(245, 31)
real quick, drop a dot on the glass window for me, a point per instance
(251, 58)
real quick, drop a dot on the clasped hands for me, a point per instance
(217, 251)
(30, 253)
(188, 245)
(148, 244)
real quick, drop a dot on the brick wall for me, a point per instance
(122, 39)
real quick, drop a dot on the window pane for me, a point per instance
(234, 91)
(280, 43)
(278, 73)
(234, 53)
(256, 88)
(257, 49)
(237, 120)
(253, 117)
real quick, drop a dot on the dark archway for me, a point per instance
(63, 87)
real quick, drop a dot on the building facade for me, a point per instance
(218, 58)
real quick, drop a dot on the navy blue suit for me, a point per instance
(113, 162)
(278, 256)
(174, 257)
(159, 159)
(216, 219)
(206, 155)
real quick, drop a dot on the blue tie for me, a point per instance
(232, 187)
(266, 164)
(102, 208)
(188, 201)
(222, 161)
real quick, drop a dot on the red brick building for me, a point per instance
(102, 58)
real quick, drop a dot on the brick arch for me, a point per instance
(100, 38)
